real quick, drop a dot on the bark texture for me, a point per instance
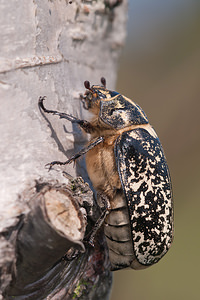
(50, 48)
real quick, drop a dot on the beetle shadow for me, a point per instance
(79, 143)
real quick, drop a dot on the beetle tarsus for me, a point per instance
(51, 164)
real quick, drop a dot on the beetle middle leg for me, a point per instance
(85, 125)
(77, 155)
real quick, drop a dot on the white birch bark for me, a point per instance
(47, 48)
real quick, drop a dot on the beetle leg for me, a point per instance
(85, 102)
(105, 211)
(85, 125)
(77, 155)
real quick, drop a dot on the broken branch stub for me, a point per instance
(52, 233)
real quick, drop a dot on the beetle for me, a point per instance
(126, 163)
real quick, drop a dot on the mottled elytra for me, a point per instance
(126, 164)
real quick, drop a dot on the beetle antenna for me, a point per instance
(103, 81)
(87, 85)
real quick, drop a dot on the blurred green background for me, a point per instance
(160, 70)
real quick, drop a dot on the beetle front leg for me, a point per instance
(77, 155)
(85, 125)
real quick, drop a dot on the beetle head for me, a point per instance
(113, 109)
(94, 94)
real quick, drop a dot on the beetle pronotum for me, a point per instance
(126, 164)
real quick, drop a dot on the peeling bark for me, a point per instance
(50, 48)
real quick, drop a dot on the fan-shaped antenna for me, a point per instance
(103, 81)
(87, 85)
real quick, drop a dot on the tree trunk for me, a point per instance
(50, 48)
